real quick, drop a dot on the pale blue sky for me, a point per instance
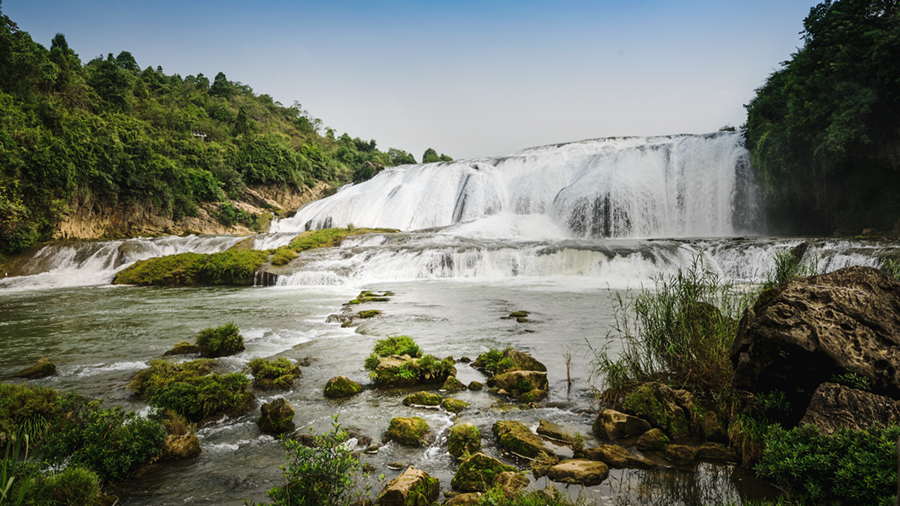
(467, 78)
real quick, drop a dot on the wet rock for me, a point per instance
(453, 385)
(277, 417)
(653, 439)
(475, 386)
(522, 381)
(42, 369)
(423, 399)
(467, 499)
(341, 386)
(835, 406)
(617, 457)
(711, 427)
(612, 425)
(680, 455)
(507, 360)
(477, 474)
(465, 360)
(182, 348)
(410, 488)
(408, 431)
(180, 447)
(515, 437)
(338, 318)
(553, 431)
(579, 472)
(464, 439)
(512, 483)
(814, 328)
(454, 405)
(403, 370)
(536, 395)
(715, 451)
(658, 404)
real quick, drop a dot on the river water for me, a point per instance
(557, 231)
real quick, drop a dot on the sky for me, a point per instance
(467, 78)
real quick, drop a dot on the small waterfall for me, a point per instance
(676, 186)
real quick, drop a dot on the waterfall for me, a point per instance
(673, 186)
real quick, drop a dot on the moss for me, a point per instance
(478, 473)
(453, 385)
(535, 395)
(497, 362)
(464, 440)
(330, 237)
(372, 313)
(454, 405)
(162, 372)
(515, 437)
(232, 267)
(43, 368)
(273, 373)
(648, 401)
(341, 386)
(423, 399)
(182, 348)
(220, 341)
(283, 256)
(518, 314)
(397, 345)
(408, 431)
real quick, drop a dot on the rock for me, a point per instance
(277, 417)
(338, 318)
(182, 348)
(579, 472)
(536, 395)
(715, 451)
(477, 474)
(475, 386)
(653, 439)
(553, 431)
(341, 386)
(454, 405)
(467, 499)
(612, 425)
(816, 327)
(617, 457)
(834, 406)
(180, 447)
(464, 439)
(680, 455)
(423, 398)
(658, 404)
(403, 370)
(523, 381)
(515, 437)
(413, 487)
(408, 431)
(43, 368)
(453, 385)
(512, 483)
(508, 360)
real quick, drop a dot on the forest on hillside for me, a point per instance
(107, 133)
(824, 129)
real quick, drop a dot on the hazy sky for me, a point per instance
(469, 78)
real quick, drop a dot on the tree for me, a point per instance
(430, 156)
(221, 86)
(400, 157)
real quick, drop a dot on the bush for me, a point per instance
(73, 485)
(220, 341)
(848, 467)
(163, 372)
(325, 473)
(276, 373)
(26, 411)
(199, 398)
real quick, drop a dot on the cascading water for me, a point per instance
(677, 186)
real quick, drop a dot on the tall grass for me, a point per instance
(680, 331)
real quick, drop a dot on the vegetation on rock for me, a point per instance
(423, 399)
(220, 341)
(43, 368)
(408, 431)
(341, 386)
(269, 374)
(464, 440)
(232, 267)
(478, 473)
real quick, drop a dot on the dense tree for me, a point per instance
(824, 130)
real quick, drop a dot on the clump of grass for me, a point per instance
(397, 345)
(270, 374)
(220, 341)
(27, 412)
(788, 266)
(283, 255)
(891, 266)
(681, 331)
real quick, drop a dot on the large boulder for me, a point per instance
(817, 327)
(612, 425)
(478, 473)
(342, 386)
(411, 487)
(658, 404)
(834, 406)
(409, 431)
(277, 417)
(515, 437)
(579, 472)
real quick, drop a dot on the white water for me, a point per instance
(676, 186)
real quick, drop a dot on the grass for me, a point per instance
(891, 266)
(270, 374)
(220, 341)
(283, 255)
(330, 237)
(397, 345)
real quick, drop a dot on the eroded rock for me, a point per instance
(612, 425)
(579, 472)
(834, 406)
(617, 457)
(412, 487)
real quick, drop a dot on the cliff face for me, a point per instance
(92, 221)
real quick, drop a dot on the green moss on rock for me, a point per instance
(270, 374)
(341, 386)
(454, 405)
(657, 404)
(478, 473)
(42, 369)
(408, 431)
(513, 436)
(464, 440)
(423, 399)
(453, 385)
(232, 267)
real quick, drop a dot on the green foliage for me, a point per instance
(325, 473)
(490, 361)
(72, 485)
(789, 266)
(232, 267)
(16, 478)
(110, 442)
(431, 156)
(26, 411)
(848, 467)
(201, 397)
(550, 496)
(273, 373)
(220, 341)
(282, 256)
(371, 313)
(163, 372)
(682, 330)
(821, 130)
(853, 379)
(892, 266)
(397, 345)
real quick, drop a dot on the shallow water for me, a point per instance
(100, 336)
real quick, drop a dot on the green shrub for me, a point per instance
(853, 379)
(490, 360)
(892, 266)
(397, 345)
(72, 485)
(27, 411)
(848, 467)
(163, 372)
(274, 373)
(110, 442)
(325, 473)
(220, 341)
(18, 478)
(199, 398)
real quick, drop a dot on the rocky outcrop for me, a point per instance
(612, 425)
(816, 327)
(579, 472)
(342, 386)
(411, 487)
(836, 406)
(277, 417)
(478, 473)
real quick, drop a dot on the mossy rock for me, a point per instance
(371, 313)
(182, 348)
(341, 386)
(233, 267)
(412, 488)
(535, 395)
(498, 362)
(366, 297)
(653, 439)
(396, 370)
(478, 473)
(611, 425)
(454, 405)
(518, 314)
(657, 404)
(408, 431)
(423, 399)
(453, 385)
(271, 374)
(42, 369)
(520, 382)
(476, 386)
(464, 439)
(515, 437)
(220, 341)
(277, 417)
